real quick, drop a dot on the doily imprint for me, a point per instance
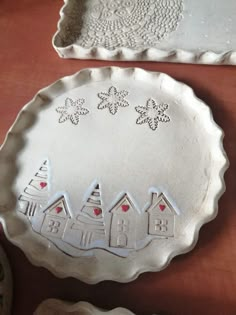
(123, 23)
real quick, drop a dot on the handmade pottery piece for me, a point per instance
(175, 31)
(52, 306)
(109, 173)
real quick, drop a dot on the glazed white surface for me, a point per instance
(182, 158)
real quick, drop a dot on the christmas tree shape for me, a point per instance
(93, 205)
(35, 195)
(90, 221)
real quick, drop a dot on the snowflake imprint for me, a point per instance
(113, 99)
(152, 114)
(72, 110)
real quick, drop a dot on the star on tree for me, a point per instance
(152, 114)
(72, 110)
(113, 99)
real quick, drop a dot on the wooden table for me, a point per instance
(200, 282)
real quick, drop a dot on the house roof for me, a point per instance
(161, 205)
(58, 207)
(126, 201)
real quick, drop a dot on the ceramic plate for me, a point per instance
(50, 307)
(165, 30)
(109, 173)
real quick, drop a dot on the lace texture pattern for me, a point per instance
(122, 23)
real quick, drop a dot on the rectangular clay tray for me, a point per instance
(186, 31)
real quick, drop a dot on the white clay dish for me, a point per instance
(186, 31)
(109, 173)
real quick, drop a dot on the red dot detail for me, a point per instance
(97, 211)
(162, 207)
(58, 209)
(125, 208)
(43, 185)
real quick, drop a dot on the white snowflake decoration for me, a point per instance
(72, 110)
(152, 114)
(113, 99)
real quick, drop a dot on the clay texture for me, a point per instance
(164, 30)
(108, 178)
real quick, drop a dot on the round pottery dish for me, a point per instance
(109, 173)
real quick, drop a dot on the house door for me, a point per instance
(122, 240)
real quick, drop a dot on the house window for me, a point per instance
(123, 225)
(53, 226)
(161, 225)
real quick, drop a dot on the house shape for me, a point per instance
(56, 216)
(123, 224)
(161, 216)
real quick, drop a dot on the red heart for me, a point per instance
(125, 208)
(43, 184)
(58, 209)
(162, 207)
(97, 211)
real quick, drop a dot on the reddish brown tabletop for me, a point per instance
(200, 282)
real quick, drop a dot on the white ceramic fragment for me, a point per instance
(109, 173)
(53, 306)
(153, 30)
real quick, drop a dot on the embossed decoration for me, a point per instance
(113, 99)
(89, 223)
(89, 200)
(152, 114)
(35, 194)
(72, 110)
(147, 30)
(127, 23)
(118, 228)
(161, 217)
(123, 226)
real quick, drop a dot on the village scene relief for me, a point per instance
(121, 229)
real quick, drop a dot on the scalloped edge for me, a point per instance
(83, 307)
(147, 54)
(49, 255)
